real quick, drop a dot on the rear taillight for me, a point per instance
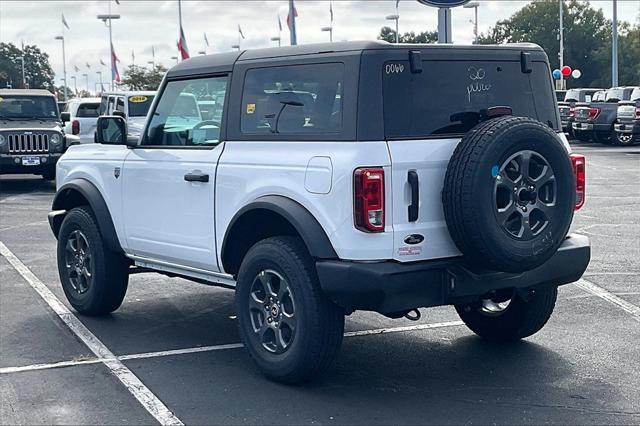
(579, 171)
(368, 199)
(593, 113)
(75, 127)
(572, 111)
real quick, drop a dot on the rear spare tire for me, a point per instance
(509, 194)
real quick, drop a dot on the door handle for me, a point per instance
(412, 178)
(196, 177)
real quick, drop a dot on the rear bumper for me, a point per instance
(581, 126)
(390, 287)
(627, 127)
(8, 164)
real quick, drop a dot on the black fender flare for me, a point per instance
(64, 201)
(298, 216)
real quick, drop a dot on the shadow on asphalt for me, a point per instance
(12, 185)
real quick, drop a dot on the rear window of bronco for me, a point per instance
(447, 97)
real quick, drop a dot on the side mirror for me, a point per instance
(65, 117)
(119, 114)
(111, 130)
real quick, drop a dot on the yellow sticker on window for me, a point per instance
(138, 99)
(251, 108)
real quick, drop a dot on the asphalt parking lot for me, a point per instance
(171, 352)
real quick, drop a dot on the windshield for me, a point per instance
(139, 105)
(28, 107)
(88, 110)
(448, 97)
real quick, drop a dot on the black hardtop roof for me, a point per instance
(223, 62)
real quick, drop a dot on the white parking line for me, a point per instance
(199, 349)
(609, 297)
(133, 384)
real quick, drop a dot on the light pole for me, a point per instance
(100, 76)
(64, 67)
(396, 18)
(107, 21)
(474, 5)
(276, 39)
(614, 46)
(86, 76)
(152, 63)
(330, 31)
(561, 51)
(202, 52)
(24, 82)
(175, 58)
(235, 46)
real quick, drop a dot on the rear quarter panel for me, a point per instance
(249, 170)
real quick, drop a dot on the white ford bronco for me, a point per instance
(332, 178)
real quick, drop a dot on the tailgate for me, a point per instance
(426, 162)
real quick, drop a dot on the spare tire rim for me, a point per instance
(78, 261)
(272, 310)
(525, 194)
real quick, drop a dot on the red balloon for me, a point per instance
(566, 70)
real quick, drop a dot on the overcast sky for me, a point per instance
(155, 23)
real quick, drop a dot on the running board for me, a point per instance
(196, 274)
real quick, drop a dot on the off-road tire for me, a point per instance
(469, 197)
(521, 318)
(110, 275)
(320, 322)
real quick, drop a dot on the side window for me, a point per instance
(111, 105)
(103, 106)
(120, 104)
(296, 99)
(189, 113)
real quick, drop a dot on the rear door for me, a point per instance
(425, 115)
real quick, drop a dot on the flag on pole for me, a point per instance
(64, 22)
(88, 66)
(240, 31)
(153, 52)
(397, 3)
(294, 13)
(133, 56)
(115, 75)
(75, 67)
(279, 23)
(206, 40)
(182, 46)
(102, 62)
(117, 1)
(331, 10)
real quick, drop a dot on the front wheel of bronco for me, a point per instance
(291, 330)
(507, 316)
(93, 278)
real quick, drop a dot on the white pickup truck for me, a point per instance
(338, 177)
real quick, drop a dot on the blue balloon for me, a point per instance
(556, 74)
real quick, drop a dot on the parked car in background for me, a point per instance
(132, 106)
(627, 125)
(31, 135)
(567, 106)
(595, 120)
(80, 118)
